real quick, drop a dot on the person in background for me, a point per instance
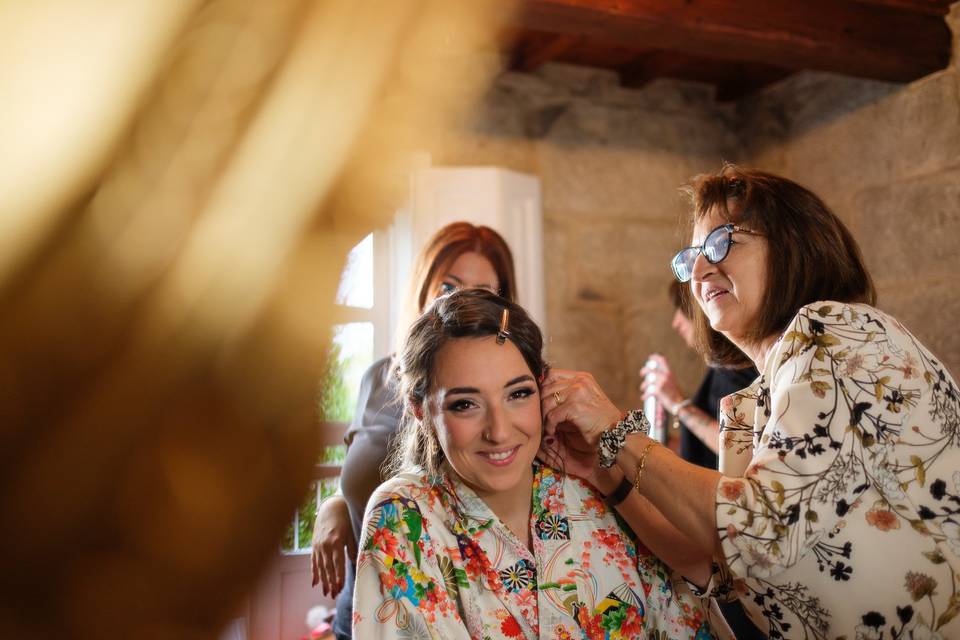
(834, 512)
(473, 536)
(460, 255)
(697, 415)
(698, 418)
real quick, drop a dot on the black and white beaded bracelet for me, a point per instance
(611, 440)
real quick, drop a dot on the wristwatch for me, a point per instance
(619, 494)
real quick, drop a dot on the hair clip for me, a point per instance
(504, 333)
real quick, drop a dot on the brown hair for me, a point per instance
(451, 242)
(470, 313)
(812, 255)
(680, 297)
(438, 255)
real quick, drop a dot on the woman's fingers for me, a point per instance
(575, 397)
(331, 573)
(332, 533)
(561, 374)
(550, 452)
(556, 416)
(322, 569)
(572, 417)
(656, 364)
(314, 568)
(339, 569)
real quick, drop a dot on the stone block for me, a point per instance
(467, 149)
(591, 340)
(909, 230)
(624, 163)
(621, 262)
(833, 134)
(556, 268)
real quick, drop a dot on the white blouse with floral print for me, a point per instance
(839, 509)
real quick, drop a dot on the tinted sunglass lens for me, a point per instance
(683, 264)
(717, 244)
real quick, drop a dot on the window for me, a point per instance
(359, 337)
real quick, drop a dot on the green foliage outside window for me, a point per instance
(336, 402)
(300, 532)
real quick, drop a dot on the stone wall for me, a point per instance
(886, 157)
(610, 163)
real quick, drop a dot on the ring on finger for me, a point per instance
(558, 397)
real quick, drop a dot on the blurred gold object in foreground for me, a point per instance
(177, 207)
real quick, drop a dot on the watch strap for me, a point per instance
(619, 494)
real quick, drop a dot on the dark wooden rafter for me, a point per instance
(733, 79)
(537, 51)
(735, 86)
(653, 65)
(930, 7)
(881, 39)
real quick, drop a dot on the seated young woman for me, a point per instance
(474, 537)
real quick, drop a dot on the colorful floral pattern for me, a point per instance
(436, 563)
(839, 510)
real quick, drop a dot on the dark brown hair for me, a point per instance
(469, 313)
(811, 254)
(680, 297)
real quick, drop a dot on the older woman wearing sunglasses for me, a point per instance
(836, 509)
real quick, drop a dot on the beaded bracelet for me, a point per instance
(611, 440)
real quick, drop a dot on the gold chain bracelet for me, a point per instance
(642, 463)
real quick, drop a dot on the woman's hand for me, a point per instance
(572, 400)
(570, 453)
(657, 380)
(332, 541)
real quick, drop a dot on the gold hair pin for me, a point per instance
(504, 333)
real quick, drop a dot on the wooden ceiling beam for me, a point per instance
(931, 7)
(649, 67)
(539, 51)
(732, 79)
(736, 87)
(852, 37)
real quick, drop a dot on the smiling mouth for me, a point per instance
(714, 293)
(500, 457)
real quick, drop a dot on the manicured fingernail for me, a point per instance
(548, 439)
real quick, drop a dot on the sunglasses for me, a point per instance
(715, 248)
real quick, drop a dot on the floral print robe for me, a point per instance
(435, 562)
(839, 510)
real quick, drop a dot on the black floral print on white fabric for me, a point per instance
(839, 509)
